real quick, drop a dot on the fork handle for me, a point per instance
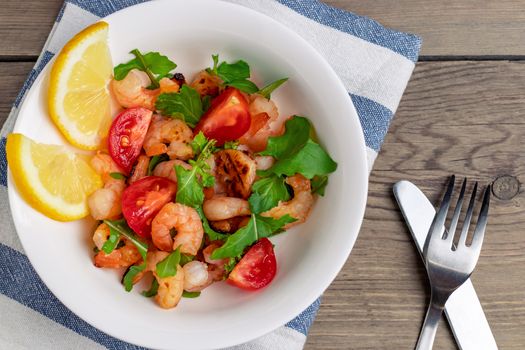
(428, 331)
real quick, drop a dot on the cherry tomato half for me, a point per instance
(143, 199)
(126, 136)
(227, 119)
(257, 267)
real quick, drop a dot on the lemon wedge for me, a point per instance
(54, 180)
(78, 100)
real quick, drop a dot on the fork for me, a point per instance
(449, 266)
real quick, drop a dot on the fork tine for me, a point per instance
(457, 212)
(479, 232)
(468, 217)
(441, 215)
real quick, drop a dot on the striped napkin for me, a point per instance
(374, 64)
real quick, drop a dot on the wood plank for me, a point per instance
(457, 117)
(458, 28)
(13, 76)
(25, 25)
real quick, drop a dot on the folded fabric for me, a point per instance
(374, 63)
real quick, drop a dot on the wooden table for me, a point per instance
(463, 113)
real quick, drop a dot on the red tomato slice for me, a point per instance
(126, 136)
(227, 119)
(257, 267)
(143, 199)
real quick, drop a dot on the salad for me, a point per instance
(196, 174)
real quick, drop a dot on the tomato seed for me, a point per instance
(124, 141)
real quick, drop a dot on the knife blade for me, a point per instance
(463, 309)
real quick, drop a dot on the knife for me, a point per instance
(463, 309)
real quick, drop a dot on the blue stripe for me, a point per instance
(362, 27)
(21, 283)
(303, 322)
(375, 120)
(3, 163)
(43, 60)
(104, 8)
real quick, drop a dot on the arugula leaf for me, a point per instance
(295, 137)
(258, 227)
(112, 241)
(229, 72)
(185, 105)
(231, 145)
(232, 262)
(267, 193)
(311, 160)
(152, 291)
(130, 275)
(243, 85)
(198, 143)
(168, 266)
(206, 103)
(319, 184)
(212, 234)
(185, 258)
(154, 64)
(233, 74)
(191, 182)
(122, 227)
(268, 89)
(191, 294)
(155, 160)
(117, 176)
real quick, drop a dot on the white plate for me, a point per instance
(309, 256)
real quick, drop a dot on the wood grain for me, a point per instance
(465, 118)
(448, 28)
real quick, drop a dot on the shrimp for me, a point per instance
(187, 223)
(132, 90)
(235, 171)
(299, 206)
(230, 225)
(216, 270)
(222, 208)
(196, 276)
(170, 289)
(168, 135)
(121, 257)
(105, 202)
(206, 84)
(264, 162)
(141, 169)
(167, 169)
(265, 123)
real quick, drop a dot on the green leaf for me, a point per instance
(206, 103)
(154, 64)
(311, 160)
(155, 160)
(267, 193)
(213, 70)
(258, 227)
(295, 137)
(130, 275)
(268, 89)
(243, 85)
(185, 105)
(233, 71)
(122, 227)
(152, 289)
(198, 143)
(319, 184)
(112, 241)
(212, 234)
(192, 182)
(230, 265)
(231, 145)
(117, 176)
(185, 258)
(190, 294)
(168, 266)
